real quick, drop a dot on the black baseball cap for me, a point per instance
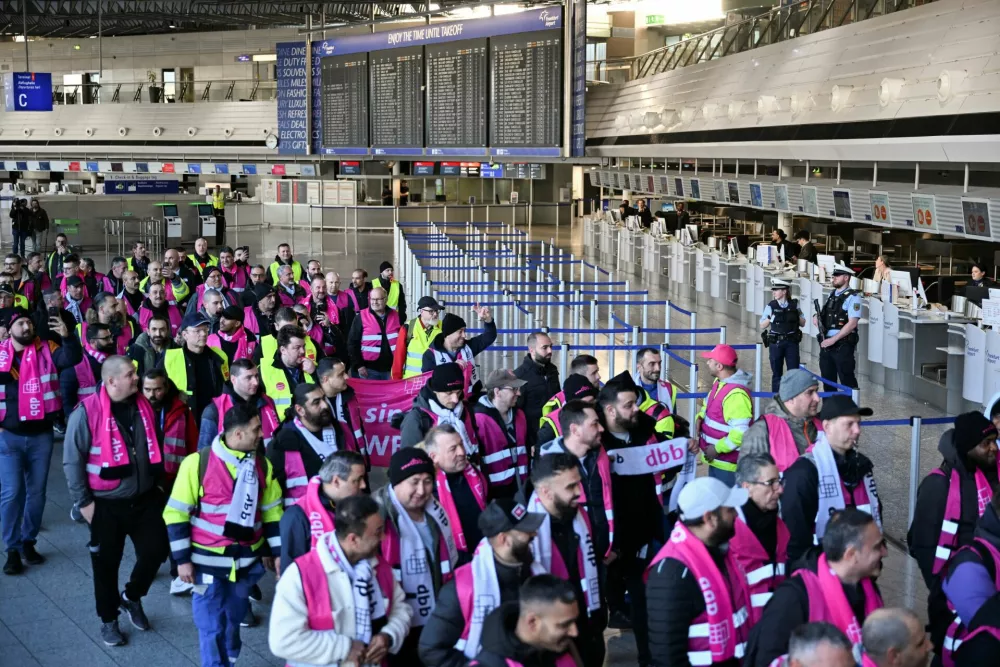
(504, 514)
(428, 302)
(842, 406)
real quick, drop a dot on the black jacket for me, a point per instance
(932, 496)
(638, 512)
(296, 534)
(543, 384)
(592, 487)
(807, 252)
(40, 317)
(20, 219)
(413, 425)
(984, 647)
(437, 641)
(288, 439)
(800, 501)
(501, 644)
(673, 601)
(787, 610)
(476, 344)
(204, 378)
(66, 354)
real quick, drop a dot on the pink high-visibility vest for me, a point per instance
(218, 487)
(948, 537)
(371, 333)
(713, 427)
(503, 462)
(108, 450)
(783, 448)
(478, 485)
(37, 383)
(320, 518)
(316, 588)
(955, 635)
(763, 574)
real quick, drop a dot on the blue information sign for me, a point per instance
(27, 91)
(579, 77)
(293, 103)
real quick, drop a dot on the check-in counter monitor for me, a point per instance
(171, 220)
(206, 219)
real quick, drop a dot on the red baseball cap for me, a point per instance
(724, 354)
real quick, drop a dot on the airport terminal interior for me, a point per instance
(618, 174)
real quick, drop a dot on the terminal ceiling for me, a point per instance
(80, 18)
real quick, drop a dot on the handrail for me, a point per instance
(776, 25)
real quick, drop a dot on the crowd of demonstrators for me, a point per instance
(210, 420)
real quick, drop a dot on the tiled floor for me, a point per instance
(47, 615)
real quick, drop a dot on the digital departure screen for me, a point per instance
(527, 90)
(345, 100)
(423, 169)
(350, 168)
(456, 93)
(397, 80)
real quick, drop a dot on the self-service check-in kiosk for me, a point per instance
(171, 220)
(206, 219)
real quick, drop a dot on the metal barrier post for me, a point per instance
(758, 361)
(562, 320)
(628, 301)
(856, 396)
(722, 335)
(915, 426)
(693, 337)
(564, 360)
(611, 342)
(577, 319)
(645, 322)
(666, 324)
(693, 388)
(593, 321)
(635, 344)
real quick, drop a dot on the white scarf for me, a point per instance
(323, 448)
(369, 604)
(831, 495)
(485, 595)
(465, 354)
(686, 474)
(416, 579)
(73, 307)
(454, 417)
(246, 487)
(541, 549)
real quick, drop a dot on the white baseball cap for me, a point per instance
(707, 494)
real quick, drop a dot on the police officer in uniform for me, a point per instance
(838, 330)
(780, 323)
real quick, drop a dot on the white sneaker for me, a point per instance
(178, 587)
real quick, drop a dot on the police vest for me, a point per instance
(784, 320)
(833, 315)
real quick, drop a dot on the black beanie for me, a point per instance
(383, 266)
(577, 387)
(450, 324)
(407, 462)
(971, 429)
(447, 377)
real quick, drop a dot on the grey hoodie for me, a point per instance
(757, 441)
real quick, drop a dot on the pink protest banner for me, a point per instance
(380, 401)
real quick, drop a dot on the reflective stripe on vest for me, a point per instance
(208, 525)
(419, 343)
(371, 334)
(700, 631)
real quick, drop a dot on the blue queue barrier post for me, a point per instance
(915, 424)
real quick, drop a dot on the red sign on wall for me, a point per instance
(168, 167)
(278, 169)
(74, 166)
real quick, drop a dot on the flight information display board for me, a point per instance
(397, 79)
(527, 90)
(456, 93)
(534, 172)
(345, 101)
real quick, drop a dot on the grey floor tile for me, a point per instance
(17, 587)
(147, 654)
(28, 609)
(179, 631)
(7, 638)
(53, 633)
(84, 655)
(17, 656)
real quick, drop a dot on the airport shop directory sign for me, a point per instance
(490, 87)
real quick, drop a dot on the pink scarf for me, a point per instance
(99, 357)
(109, 439)
(478, 486)
(317, 513)
(37, 374)
(839, 611)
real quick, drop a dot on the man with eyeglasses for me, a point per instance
(418, 334)
(761, 541)
(371, 343)
(258, 275)
(503, 434)
(80, 381)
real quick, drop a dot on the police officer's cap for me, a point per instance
(842, 270)
(779, 284)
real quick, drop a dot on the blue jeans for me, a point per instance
(783, 354)
(217, 615)
(728, 477)
(24, 472)
(19, 239)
